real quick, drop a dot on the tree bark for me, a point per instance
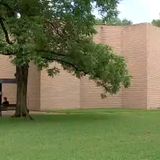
(22, 81)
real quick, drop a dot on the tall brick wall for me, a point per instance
(33, 97)
(153, 68)
(60, 92)
(7, 70)
(90, 93)
(90, 96)
(110, 35)
(134, 50)
(130, 42)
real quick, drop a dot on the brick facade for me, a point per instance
(153, 69)
(139, 44)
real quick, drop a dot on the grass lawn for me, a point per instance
(83, 135)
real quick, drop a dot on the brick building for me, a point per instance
(139, 44)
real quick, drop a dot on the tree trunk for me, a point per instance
(22, 81)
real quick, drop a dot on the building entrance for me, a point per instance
(2, 82)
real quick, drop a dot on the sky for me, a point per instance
(139, 11)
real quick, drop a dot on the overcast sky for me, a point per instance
(139, 11)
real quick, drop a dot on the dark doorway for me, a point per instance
(5, 81)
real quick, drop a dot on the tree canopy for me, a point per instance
(115, 21)
(46, 31)
(156, 22)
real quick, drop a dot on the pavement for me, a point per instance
(10, 113)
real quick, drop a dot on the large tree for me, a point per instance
(46, 31)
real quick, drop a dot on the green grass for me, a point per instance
(83, 135)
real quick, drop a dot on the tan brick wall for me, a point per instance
(60, 92)
(130, 42)
(90, 93)
(110, 35)
(135, 51)
(153, 69)
(7, 70)
(91, 96)
(33, 88)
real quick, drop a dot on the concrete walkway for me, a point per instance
(10, 113)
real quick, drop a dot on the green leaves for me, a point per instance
(61, 31)
(156, 22)
(102, 65)
(53, 71)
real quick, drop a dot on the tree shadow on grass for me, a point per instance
(77, 117)
(68, 117)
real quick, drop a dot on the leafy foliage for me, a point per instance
(156, 22)
(114, 22)
(46, 31)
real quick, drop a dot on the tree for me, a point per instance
(46, 31)
(115, 21)
(156, 22)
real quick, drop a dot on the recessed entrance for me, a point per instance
(8, 89)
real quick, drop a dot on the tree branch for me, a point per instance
(54, 53)
(7, 53)
(61, 60)
(70, 64)
(57, 28)
(5, 31)
(8, 7)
